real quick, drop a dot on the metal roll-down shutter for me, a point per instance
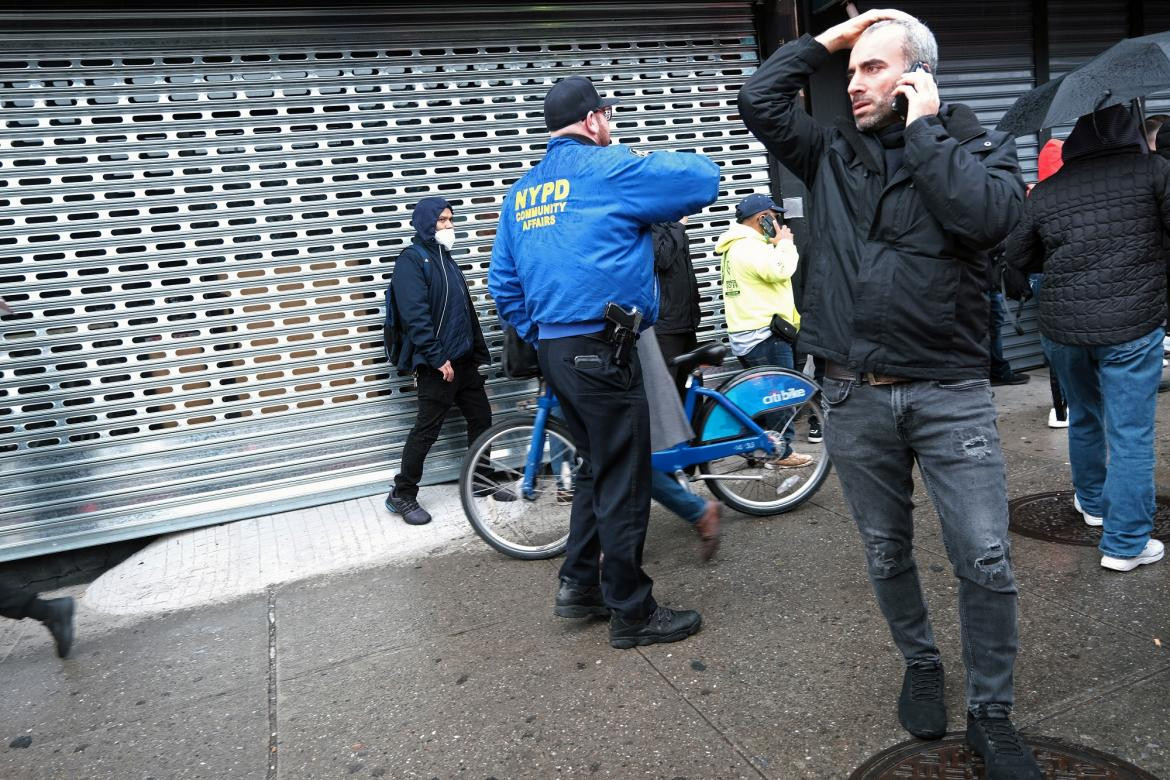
(199, 212)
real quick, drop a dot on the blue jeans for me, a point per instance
(874, 436)
(773, 351)
(666, 490)
(1112, 397)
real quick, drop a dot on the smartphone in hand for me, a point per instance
(901, 104)
(768, 226)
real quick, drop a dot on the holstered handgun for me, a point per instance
(622, 330)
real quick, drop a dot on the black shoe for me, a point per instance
(411, 512)
(921, 709)
(579, 601)
(494, 492)
(1011, 379)
(815, 434)
(1005, 754)
(60, 623)
(665, 625)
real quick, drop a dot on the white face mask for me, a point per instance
(446, 237)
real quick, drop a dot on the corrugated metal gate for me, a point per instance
(200, 216)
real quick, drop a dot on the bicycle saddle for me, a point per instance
(709, 354)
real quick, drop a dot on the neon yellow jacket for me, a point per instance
(757, 278)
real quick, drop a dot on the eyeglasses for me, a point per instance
(606, 112)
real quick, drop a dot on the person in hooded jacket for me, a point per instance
(1096, 228)
(443, 347)
(905, 201)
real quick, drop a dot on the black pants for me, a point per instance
(672, 345)
(15, 603)
(435, 399)
(605, 408)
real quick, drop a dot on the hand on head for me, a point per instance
(845, 34)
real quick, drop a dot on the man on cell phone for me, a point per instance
(759, 259)
(905, 201)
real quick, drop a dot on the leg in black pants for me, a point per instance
(605, 408)
(435, 399)
(15, 603)
(472, 399)
(56, 614)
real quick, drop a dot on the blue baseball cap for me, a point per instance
(753, 204)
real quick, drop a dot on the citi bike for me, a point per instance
(739, 434)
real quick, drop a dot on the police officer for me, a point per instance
(574, 237)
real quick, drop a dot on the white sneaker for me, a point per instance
(1153, 552)
(1092, 520)
(1056, 422)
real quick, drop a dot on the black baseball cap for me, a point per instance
(754, 204)
(569, 100)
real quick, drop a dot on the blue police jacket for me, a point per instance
(574, 233)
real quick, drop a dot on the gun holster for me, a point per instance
(621, 328)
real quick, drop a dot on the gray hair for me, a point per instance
(918, 43)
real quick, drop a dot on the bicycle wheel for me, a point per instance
(525, 524)
(777, 399)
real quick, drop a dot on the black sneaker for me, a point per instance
(921, 709)
(579, 601)
(1013, 378)
(60, 623)
(815, 434)
(411, 512)
(1005, 754)
(665, 625)
(494, 492)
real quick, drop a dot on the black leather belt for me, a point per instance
(840, 373)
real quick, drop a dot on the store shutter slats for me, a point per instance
(198, 220)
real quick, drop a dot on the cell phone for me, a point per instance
(768, 225)
(901, 104)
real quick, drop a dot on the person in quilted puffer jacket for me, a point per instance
(1095, 228)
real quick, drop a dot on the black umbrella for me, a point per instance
(1133, 68)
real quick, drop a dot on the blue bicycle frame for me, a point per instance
(728, 424)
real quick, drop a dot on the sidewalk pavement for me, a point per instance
(338, 642)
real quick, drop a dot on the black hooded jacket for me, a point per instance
(897, 264)
(430, 294)
(1098, 228)
(678, 303)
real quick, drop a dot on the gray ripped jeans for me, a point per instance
(874, 435)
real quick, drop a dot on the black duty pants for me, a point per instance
(605, 408)
(435, 399)
(14, 602)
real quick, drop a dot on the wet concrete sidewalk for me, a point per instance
(448, 662)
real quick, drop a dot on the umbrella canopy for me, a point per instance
(1133, 68)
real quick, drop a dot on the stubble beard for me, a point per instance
(883, 116)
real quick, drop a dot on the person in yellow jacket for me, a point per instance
(759, 259)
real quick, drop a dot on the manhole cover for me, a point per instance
(1050, 516)
(950, 759)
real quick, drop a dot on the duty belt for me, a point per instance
(840, 373)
